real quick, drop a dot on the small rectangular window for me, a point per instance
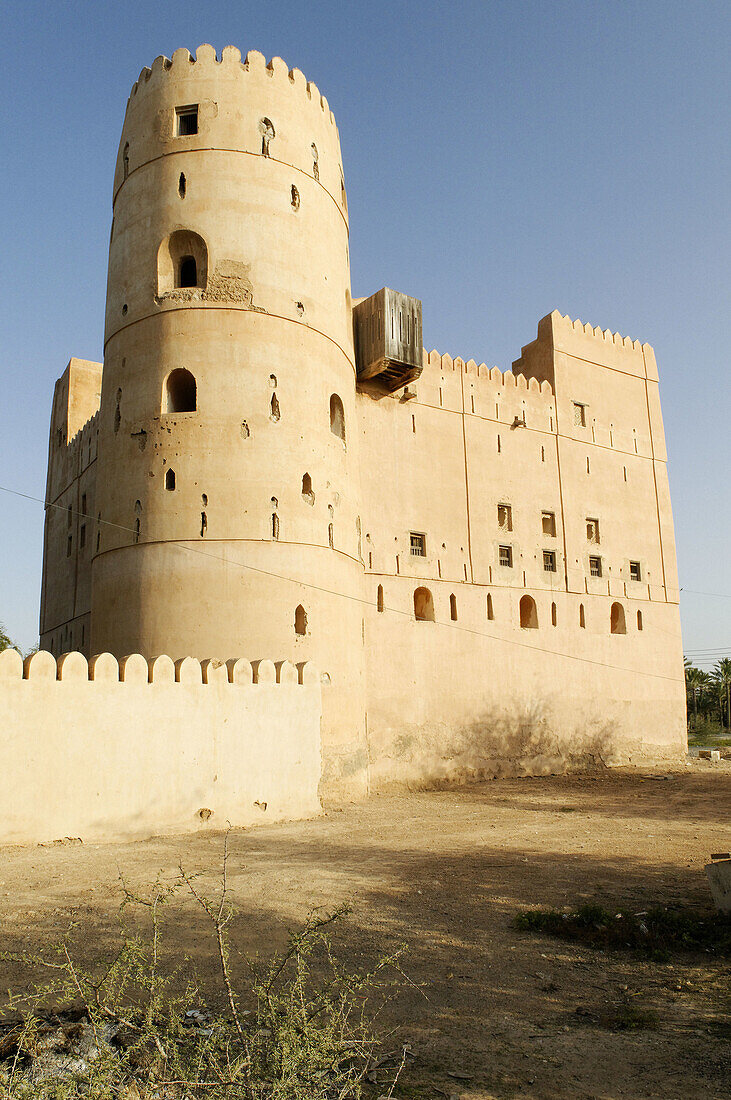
(595, 567)
(635, 571)
(82, 536)
(186, 120)
(505, 517)
(417, 543)
(579, 415)
(548, 523)
(83, 504)
(549, 561)
(592, 530)
(506, 556)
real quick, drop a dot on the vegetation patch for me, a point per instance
(658, 933)
(297, 1027)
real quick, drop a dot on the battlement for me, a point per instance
(206, 57)
(136, 669)
(493, 376)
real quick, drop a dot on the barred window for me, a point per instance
(549, 561)
(417, 543)
(595, 567)
(506, 556)
(635, 571)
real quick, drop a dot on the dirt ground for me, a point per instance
(507, 1013)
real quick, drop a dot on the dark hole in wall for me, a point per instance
(181, 185)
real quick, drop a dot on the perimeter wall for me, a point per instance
(108, 750)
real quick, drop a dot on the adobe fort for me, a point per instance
(480, 564)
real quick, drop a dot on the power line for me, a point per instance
(345, 595)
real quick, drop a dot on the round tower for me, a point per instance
(227, 477)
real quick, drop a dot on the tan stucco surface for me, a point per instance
(111, 757)
(220, 564)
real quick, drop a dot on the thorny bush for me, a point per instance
(125, 1031)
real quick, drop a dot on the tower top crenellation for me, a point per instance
(206, 57)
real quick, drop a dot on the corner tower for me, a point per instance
(228, 472)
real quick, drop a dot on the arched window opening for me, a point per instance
(554, 614)
(275, 526)
(300, 620)
(379, 598)
(180, 392)
(307, 494)
(337, 417)
(490, 610)
(315, 161)
(170, 480)
(181, 185)
(182, 260)
(266, 129)
(423, 606)
(617, 623)
(125, 161)
(453, 608)
(528, 613)
(187, 273)
(582, 617)
(639, 620)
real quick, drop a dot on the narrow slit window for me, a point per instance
(379, 598)
(639, 620)
(582, 617)
(337, 417)
(300, 620)
(170, 480)
(275, 526)
(266, 129)
(554, 614)
(181, 185)
(307, 494)
(453, 608)
(490, 609)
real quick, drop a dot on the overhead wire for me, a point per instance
(343, 595)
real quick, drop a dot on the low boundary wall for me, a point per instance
(109, 749)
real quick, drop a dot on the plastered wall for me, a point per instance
(108, 749)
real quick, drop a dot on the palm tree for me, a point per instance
(695, 681)
(721, 676)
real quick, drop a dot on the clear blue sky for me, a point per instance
(502, 159)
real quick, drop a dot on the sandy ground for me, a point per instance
(445, 871)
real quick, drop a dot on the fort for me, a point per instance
(479, 563)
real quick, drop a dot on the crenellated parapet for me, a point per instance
(230, 60)
(250, 106)
(42, 666)
(474, 388)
